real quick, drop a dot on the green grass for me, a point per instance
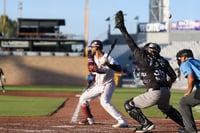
(31, 106)
(28, 106)
(45, 88)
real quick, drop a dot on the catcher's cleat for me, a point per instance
(182, 130)
(142, 129)
(119, 19)
(88, 121)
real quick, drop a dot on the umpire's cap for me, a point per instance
(96, 43)
(185, 53)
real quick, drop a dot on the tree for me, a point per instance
(10, 29)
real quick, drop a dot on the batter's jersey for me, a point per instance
(105, 74)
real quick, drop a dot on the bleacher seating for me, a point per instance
(169, 51)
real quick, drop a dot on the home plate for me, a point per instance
(63, 126)
(78, 95)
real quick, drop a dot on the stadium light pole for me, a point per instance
(137, 22)
(4, 18)
(20, 7)
(169, 27)
(86, 27)
(109, 25)
(86, 20)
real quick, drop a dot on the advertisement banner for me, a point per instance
(185, 25)
(152, 27)
(174, 26)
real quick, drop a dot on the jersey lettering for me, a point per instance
(159, 75)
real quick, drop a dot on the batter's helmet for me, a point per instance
(96, 43)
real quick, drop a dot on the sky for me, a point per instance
(73, 13)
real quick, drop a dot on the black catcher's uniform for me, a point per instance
(156, 74)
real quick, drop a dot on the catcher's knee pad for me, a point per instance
(130, 108)
(135, 112)
(175, 116)
(129, 105)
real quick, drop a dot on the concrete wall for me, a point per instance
(44, 70)
(158, 37)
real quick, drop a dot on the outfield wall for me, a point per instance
(44, 70)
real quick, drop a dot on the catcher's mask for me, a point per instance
(184, 53)
(152, 47)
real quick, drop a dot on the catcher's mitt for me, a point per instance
(119, 19)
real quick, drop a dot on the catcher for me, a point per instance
(2, 80)
(155, 71)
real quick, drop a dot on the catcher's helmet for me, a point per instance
(185, 53)
(96, 43)
(154, 47)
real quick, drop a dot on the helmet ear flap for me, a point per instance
(146, 46)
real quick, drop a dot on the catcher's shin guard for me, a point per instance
(86, 111)
(175, 116)
(135, 113)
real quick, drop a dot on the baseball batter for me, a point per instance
(103, 87)
(157, 76)
(2, 80)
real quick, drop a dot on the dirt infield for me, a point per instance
(62, 121)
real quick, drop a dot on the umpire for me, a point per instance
(190, 67)
(154, 71)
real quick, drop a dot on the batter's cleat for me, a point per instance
(88, 121)
(121, 124)
(3, 91)
(144, 129)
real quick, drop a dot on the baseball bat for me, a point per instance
(112, 46)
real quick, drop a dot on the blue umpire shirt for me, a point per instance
(191, 66)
